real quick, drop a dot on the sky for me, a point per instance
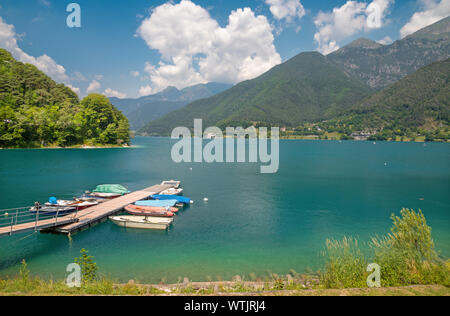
(133, 48)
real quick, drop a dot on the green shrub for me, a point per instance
(88, 266)
(406, 256)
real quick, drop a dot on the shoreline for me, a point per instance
(73, 147)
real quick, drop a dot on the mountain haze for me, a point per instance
(148, 108)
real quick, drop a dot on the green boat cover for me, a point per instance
(111, 188)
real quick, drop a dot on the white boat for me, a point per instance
(80, 205)
(142, 222)
(174, 183)
(172, 191)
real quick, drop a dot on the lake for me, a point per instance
(252, 223)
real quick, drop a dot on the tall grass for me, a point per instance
(345, 266)
(406, 256)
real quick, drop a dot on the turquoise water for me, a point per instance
(252, 223)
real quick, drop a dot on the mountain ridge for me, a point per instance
(306, 87)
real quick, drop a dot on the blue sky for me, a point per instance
(138, 47)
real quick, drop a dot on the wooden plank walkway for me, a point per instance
(101, 212)
(73, 223)
(44, 224)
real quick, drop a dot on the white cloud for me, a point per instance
(286, 9)
(349, 19)
(93, 86)
(8, 41)
(135, 73)
(74, 89)
(146, 90)
(385, 41)
(113, 93)
(433, 11)
(196, 49)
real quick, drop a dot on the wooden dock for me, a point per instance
(40, 225)
(84, 219)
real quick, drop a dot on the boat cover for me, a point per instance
(180, 199)
(157, 203)
(53, 200)
(111, 188)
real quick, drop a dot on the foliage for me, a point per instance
(418, 105)
(88, 267)
(345, 266)
(406, 256)
(35, 111)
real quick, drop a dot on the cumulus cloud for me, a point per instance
(8, 41)
(349, 19)
(113, 93)
(93, 86)
(196, 49)
(432, 11)
(286, 9)
(74, 89)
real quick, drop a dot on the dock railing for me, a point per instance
(23, 215)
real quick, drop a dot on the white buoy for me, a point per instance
(192, 202)
(205, 199)
(190, 169)
(6, 214)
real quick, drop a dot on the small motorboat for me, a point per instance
(172, 191)
(173, 183)
(104, 195)
(53, 211)
(157, 203)
(142, 222)
(150, 211)
(86, 198)
(179, 199)
(108, 191)
(80, 205)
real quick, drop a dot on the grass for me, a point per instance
(406, 256)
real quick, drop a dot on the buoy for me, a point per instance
(192, 202)
(6, 214)
(205, 199)
(385, 163)
(190, 169)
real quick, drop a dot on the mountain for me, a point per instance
(308, 87)
(35, 111)
(145, 109)
(381, 65)
(418, 104)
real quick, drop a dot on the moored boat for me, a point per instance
(179, 199)
(172, 191)
(80, 205)
(108, 191)
(142, 222)
(173, 183)
(150, 211)
(157, 203)
(53, 211)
